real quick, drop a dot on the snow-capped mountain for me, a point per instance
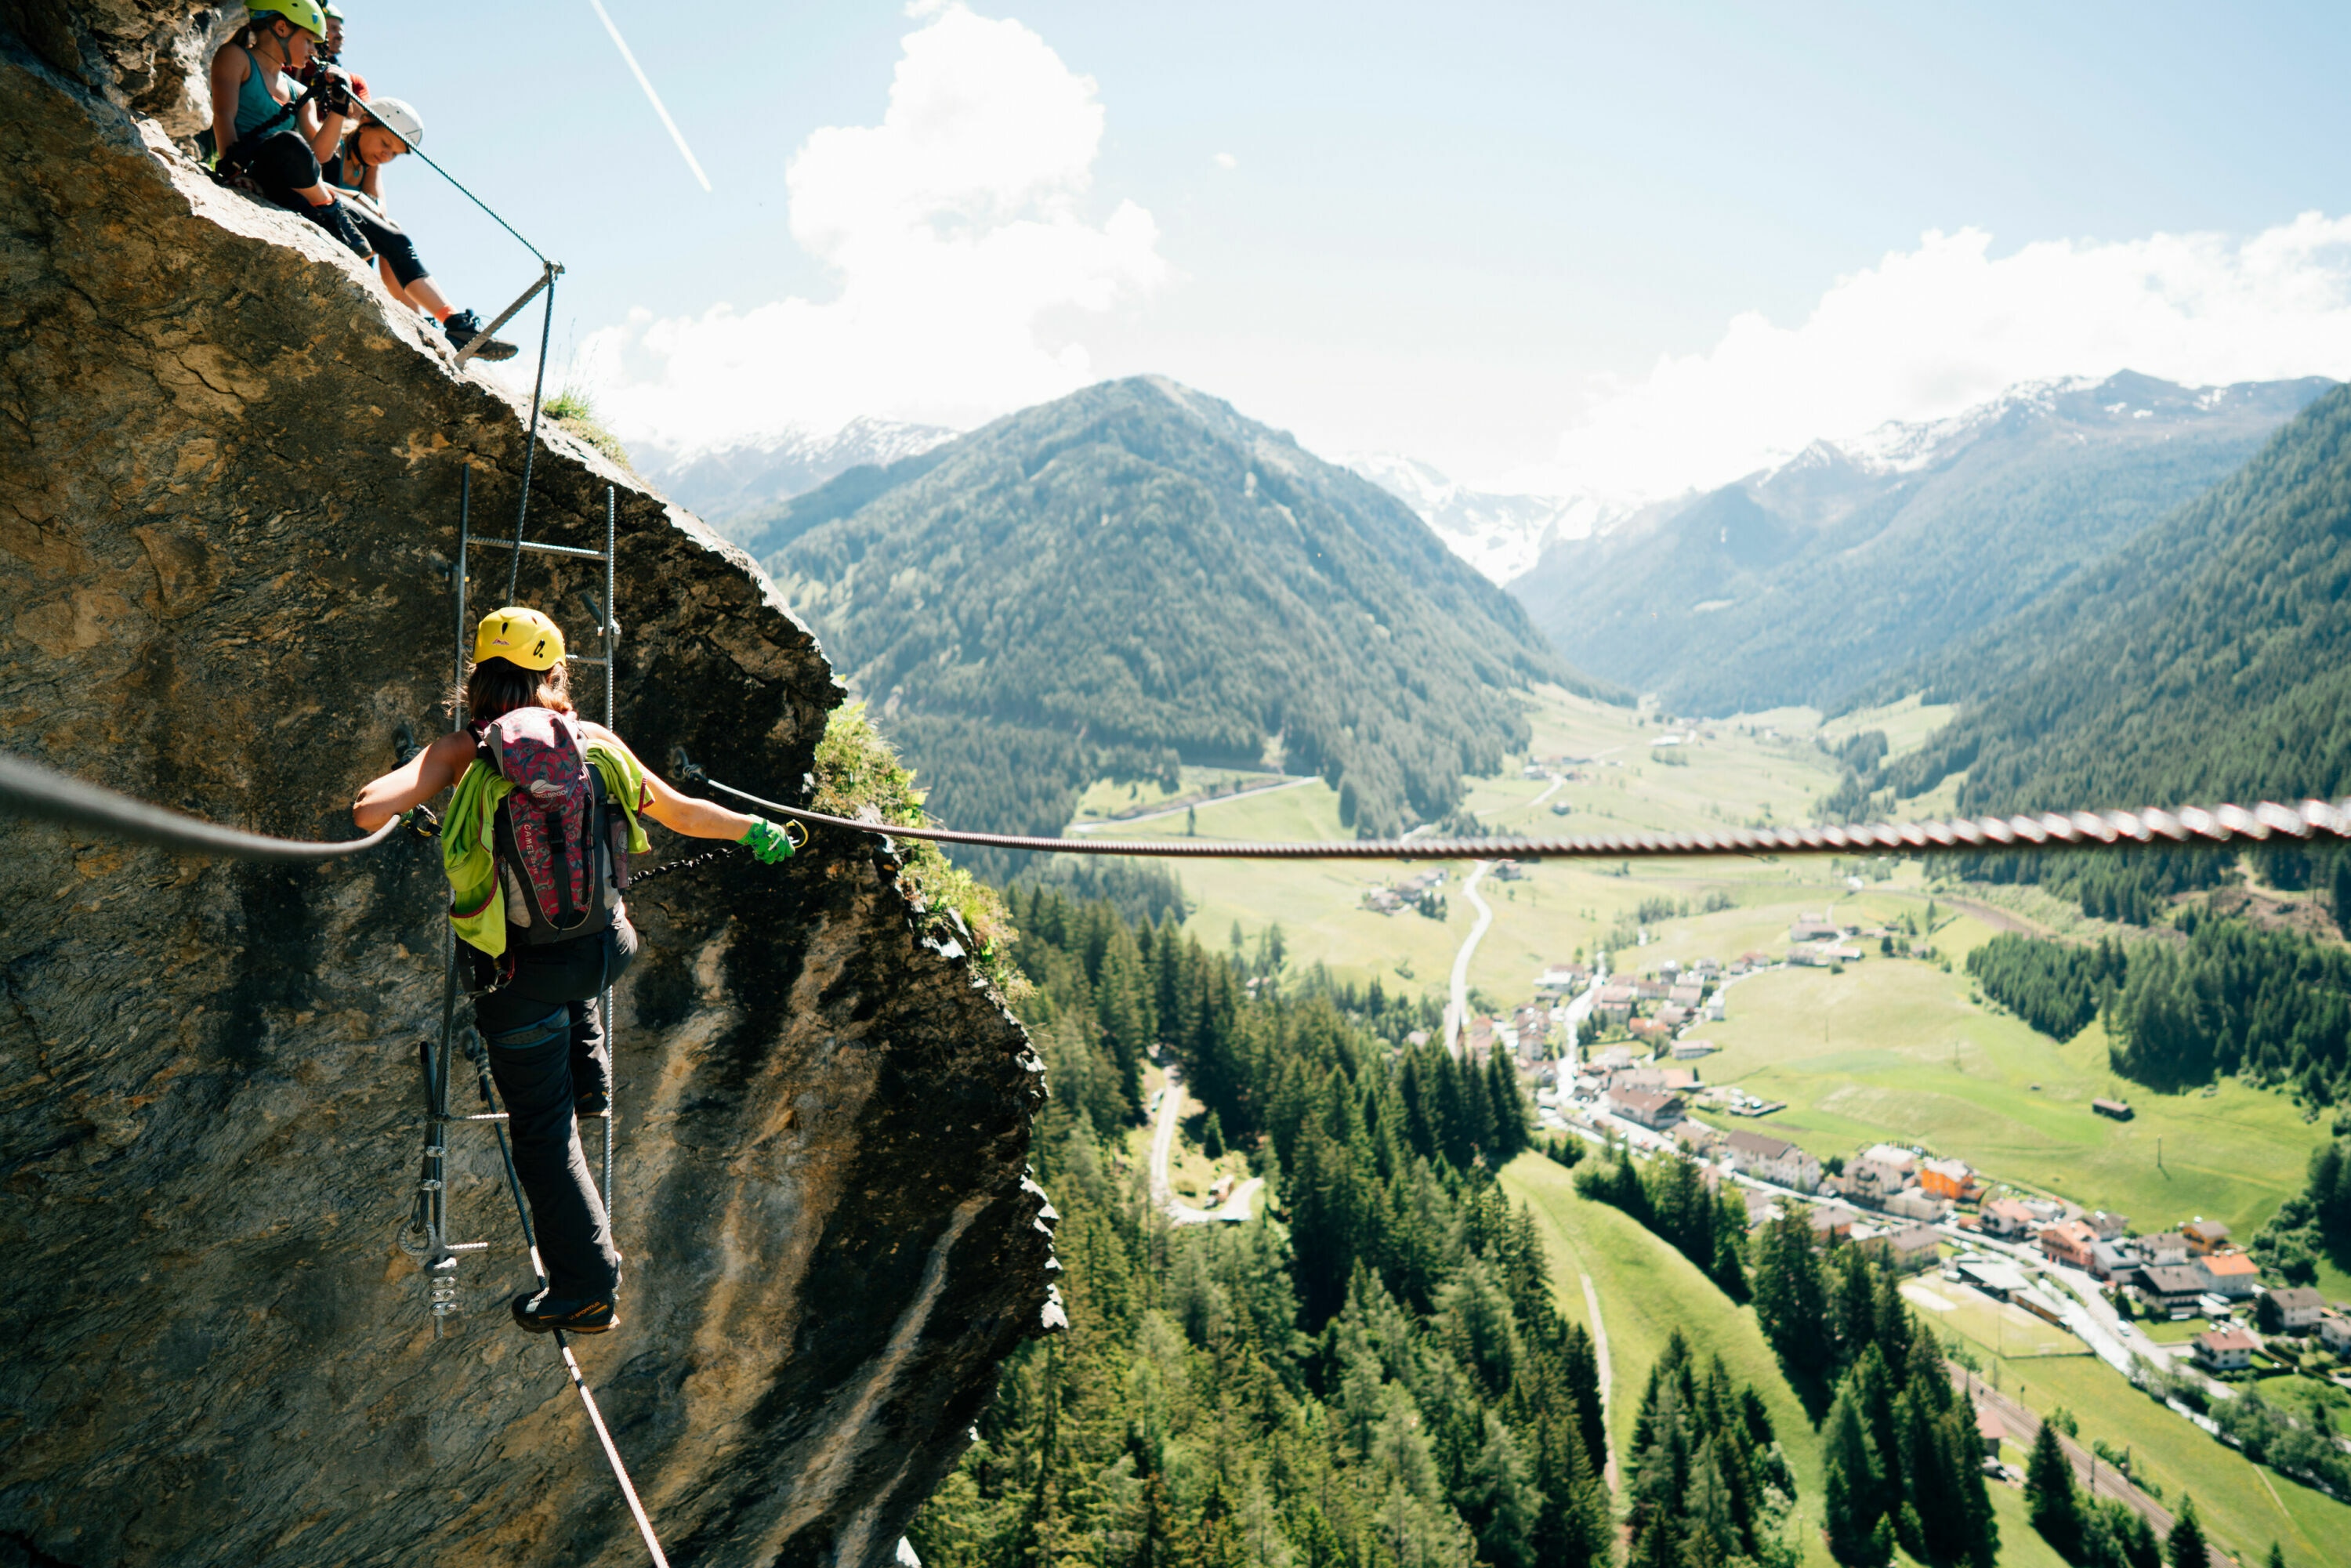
(1811, 579)
(716, 482)
(1502, 535)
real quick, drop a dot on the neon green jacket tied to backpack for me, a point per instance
(467, 839)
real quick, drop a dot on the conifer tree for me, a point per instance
(2186, 1547)
(1792, 1304)
(1882, 1542)
(1730, 1234)
(1583, 1365)
(1851, 1482)
(2049, 1501)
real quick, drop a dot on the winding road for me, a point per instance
(1235, 1209)
(1457, 1009)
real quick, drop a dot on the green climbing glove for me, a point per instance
(768, 842)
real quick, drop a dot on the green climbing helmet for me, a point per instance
(303, 13)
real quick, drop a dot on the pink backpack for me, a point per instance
(554, 838)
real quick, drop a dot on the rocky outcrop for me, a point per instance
(229, 481)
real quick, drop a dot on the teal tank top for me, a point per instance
(253, 105)
(344, 169)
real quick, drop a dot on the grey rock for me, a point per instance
(229, 482)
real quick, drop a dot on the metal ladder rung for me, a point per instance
(580, 659)
(545, 549)
(501, 1116)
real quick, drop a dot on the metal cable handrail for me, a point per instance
(2076, 829)
(30, 789)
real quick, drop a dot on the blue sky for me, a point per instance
(1519, 241)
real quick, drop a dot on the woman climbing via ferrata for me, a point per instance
(382, 130)
(534, 843)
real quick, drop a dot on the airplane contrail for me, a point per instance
(674, 133)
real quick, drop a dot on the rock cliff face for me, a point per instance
(229, 480)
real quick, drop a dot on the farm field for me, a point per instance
(1991, 1325)
(1108, 799)
(1316, 903)
(1560, 907)
(1896, 1048)
(2244, 1507)
(1906, 724)
(1647, 1289)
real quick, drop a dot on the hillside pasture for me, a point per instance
(2244, 1506)
(1898, 1049)
(1647, 1289)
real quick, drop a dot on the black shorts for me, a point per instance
(391, 241)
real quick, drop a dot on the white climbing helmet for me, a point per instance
(396, 116)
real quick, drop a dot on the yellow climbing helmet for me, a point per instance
(303, 13)
(519, 635)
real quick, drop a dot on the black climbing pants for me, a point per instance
(283, 165)
(547, 1049)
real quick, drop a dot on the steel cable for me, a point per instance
(530, 446)
(28, 788)
(2077, 830)
(31, 789)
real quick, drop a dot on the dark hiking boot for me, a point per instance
(591, 1104)
(337, 223)
(544, 1311)
(465, 327)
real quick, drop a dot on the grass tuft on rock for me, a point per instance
(575, 410)
(859, 775)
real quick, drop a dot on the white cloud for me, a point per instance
(1930, 331)
(955, 227)
(1227, 161)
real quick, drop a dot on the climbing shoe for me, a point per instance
(465, 327)
(544, 1311)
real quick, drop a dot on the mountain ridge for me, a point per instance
(1136, 577)
(1501, 533)
(2202, 660)
(1810, 581)
(719, 482)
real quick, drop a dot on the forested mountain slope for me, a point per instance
(1135, 575)
(1811, 581)
(2205, 659)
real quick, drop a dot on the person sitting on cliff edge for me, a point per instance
(382, 130)
(534, 842)
(267, 127)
